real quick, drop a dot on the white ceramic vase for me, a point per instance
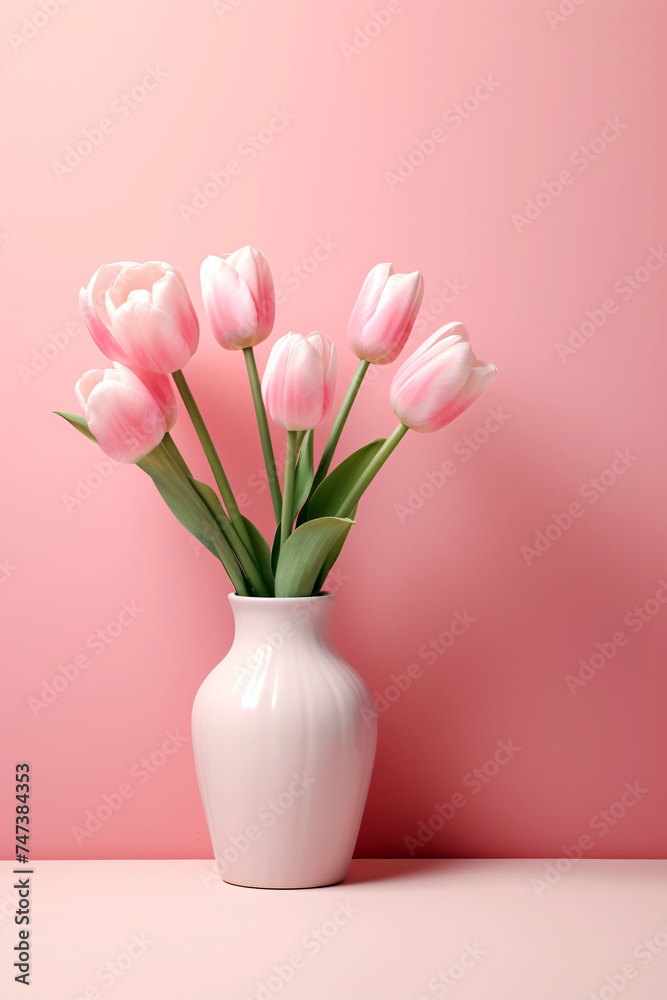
(284, 735)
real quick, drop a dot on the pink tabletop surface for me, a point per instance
(395, 929)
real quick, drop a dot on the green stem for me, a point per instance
(264, 432)
(362, 484)
(243, 556)
(288, 492)
(212, 457)
(339, 423)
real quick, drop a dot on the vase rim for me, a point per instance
(242, 599)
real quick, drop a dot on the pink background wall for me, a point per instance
(357, 106)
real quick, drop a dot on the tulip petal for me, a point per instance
(159, 386)
(134, 277)
(386, 332)
(92, 304)
(480, 378)
(368, 298)
(299, 379)
(252, 266)
(421, 395)
(85, 386)
(245, 263)
(438, 343)
(151, 318)
(150, 336)
(126, 421)
(169, 297)
(302, 386)
(384, 314)
(326, 350)
(101, 281)
(229, 305)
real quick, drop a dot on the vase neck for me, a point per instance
(277, 620)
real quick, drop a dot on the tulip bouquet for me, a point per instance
(142, 319)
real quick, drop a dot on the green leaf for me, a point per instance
(210, 498)
(185, 501)
(331, 492)
(304, 553)
(77, 421)
(305, 473)
(332, 555)
(261, 551)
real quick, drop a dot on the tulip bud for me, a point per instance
(128, 412)
(239, 298)
(439, 381)
(141, 315)
(299, 380)
(384, 314)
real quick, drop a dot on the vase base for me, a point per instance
(313, 885)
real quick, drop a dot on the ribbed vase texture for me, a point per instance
(283, 747)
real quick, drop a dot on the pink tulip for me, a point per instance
(384, 314)
(128, 412)
(440, 380)
(239, 298)
(299, 380)
(141, 315)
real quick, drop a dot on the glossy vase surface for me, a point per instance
(284, 734)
